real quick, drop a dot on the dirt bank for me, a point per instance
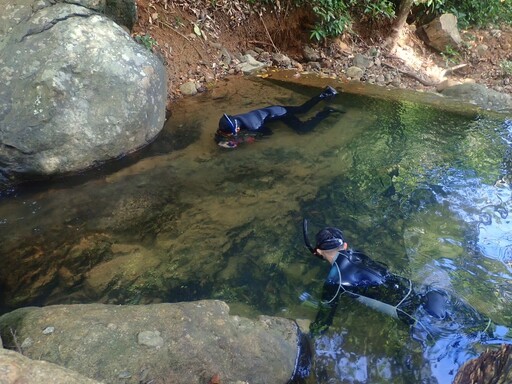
(200, 41)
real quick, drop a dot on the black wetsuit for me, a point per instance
(445, 326)
(246, 127)
(429, 311)
(356, 275)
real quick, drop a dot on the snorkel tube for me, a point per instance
(306, 238)
(231, 123)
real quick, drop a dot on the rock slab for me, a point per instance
(182, 342)
(481, 96)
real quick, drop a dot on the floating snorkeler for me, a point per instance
(247, 127)
(431, 312)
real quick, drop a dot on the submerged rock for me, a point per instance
(490, 367)
(182, 342)
(480, 95)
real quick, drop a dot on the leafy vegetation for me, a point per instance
(506, 67)
(147, 41)
(451, 56)
(478, 13)
(335, 17)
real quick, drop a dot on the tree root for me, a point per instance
(412, 75)
(426, 83)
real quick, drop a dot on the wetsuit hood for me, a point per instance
(329, 238)
(228, 124)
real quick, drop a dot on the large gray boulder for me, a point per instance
(76, 88)
(185, 343)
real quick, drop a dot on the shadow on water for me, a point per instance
(423, 189)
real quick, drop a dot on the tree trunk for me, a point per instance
(401, 18)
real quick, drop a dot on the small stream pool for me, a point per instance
(422, 188)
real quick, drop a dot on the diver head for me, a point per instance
(329, 238)
(229, 125)
(328, 242)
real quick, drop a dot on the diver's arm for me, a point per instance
(326, 310)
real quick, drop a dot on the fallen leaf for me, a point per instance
(197, 30)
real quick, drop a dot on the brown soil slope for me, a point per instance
(195, 37)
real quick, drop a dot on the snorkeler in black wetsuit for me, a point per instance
(369, 282)
(236, 129)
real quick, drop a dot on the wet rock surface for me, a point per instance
(160, 343)
(480, 95)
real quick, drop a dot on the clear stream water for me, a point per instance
(420, 187)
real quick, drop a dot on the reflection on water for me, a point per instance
(424, 190)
